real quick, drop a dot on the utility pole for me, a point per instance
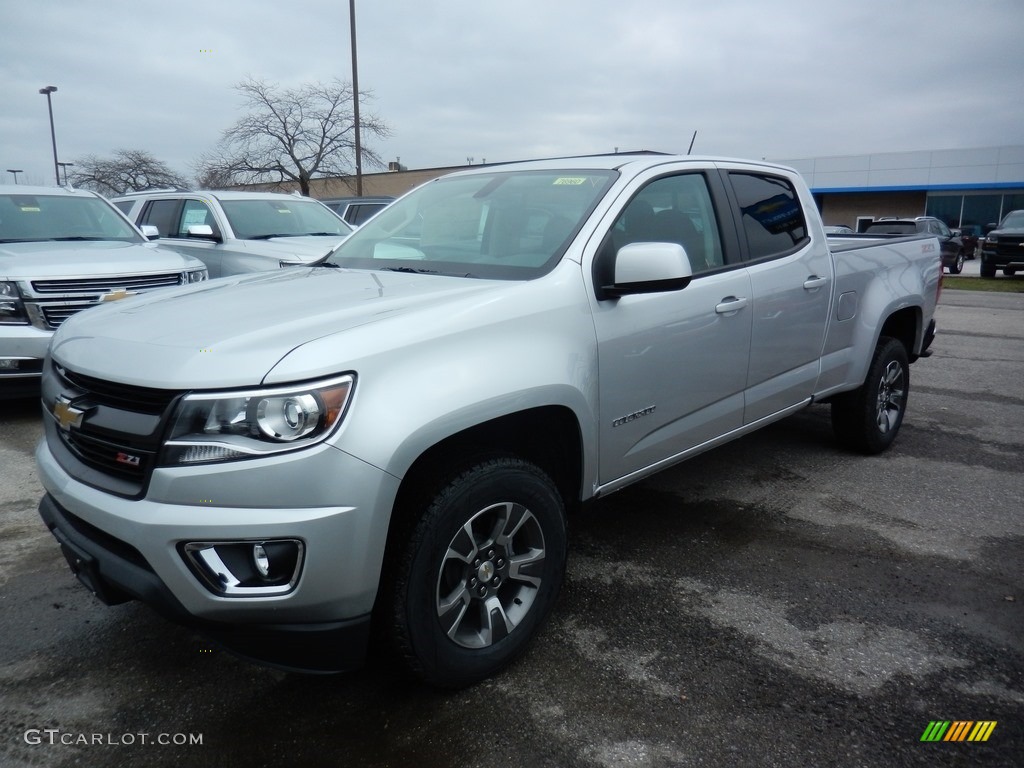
(355, 97)
(53, 136)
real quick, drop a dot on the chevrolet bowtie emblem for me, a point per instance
(66, 414)
(116, 295)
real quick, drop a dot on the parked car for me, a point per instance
(952, 246)
(391, 439)
(234, 232)
(63, 251)
(838, 229)
(970, 234)
(357, 210)
(1004, 246)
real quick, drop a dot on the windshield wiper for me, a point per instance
(76, 238)
(413, 270)
(275, 234)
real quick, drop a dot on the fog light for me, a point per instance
(259, 556)
(246, 568)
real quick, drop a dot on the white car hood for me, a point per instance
(69, 259)
(232, 331)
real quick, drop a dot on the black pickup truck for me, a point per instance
(1004, 246)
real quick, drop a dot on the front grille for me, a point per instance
(106, 284)
(126, 397)
(55, 314)
(113, 458)
(117, 434)
(1010, 247)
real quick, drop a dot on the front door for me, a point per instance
(672, 365)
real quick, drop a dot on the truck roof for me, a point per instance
(617, 162)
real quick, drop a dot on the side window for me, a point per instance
(196, 212)
(162, 214)
(772, 218)
(125, 206)
(674, 209)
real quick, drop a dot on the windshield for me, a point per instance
(1013, 220)
(506, 225)
(262, 219)
(38, 218)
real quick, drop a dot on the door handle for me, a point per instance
(813, 282)
(730, 304)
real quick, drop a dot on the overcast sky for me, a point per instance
(501, 80)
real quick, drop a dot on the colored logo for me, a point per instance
(66, 414)
(958, 730)
(117, 295)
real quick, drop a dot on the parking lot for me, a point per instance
(776, 602)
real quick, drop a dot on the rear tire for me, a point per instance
(479, 574)
(987, 270)
(868, 419)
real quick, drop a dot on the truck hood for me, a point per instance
(230, 332)
(48, 259)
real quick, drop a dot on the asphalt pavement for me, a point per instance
(776, 602)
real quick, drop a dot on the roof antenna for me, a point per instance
(691, 143)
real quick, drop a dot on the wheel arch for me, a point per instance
(904, 325)
(547, 436)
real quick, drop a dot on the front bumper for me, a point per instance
(22, 349)
(124, 549)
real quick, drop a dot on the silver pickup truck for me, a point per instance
(62, 251)
(386, 444)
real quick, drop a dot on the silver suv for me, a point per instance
(234, 232)
(62, 251)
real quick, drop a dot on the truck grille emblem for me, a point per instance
(127, 458)
(66, 414)
(118, 294)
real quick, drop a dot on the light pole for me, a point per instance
(64, 167)
(53, 136)
(14, 172)
(355, 97)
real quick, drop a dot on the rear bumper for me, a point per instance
(116, 572)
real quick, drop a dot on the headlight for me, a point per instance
(196, 276)
(12, 310)
(223, 426)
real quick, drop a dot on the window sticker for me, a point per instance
(281, 207)
(194, 216)
(569, 181)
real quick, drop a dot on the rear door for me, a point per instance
(672, 365)
(791, 282)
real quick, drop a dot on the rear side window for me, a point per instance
(772, 218)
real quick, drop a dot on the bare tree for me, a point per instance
(292, 134)
(129, 170)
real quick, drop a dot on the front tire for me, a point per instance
(480, 573)
(988, 270)
(868, 419)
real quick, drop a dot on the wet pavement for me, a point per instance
(776, 602)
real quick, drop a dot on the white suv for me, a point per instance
(63, 251)
(233, 232)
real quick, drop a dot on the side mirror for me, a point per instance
(201, 232)
(150, 232)
(649, 268)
